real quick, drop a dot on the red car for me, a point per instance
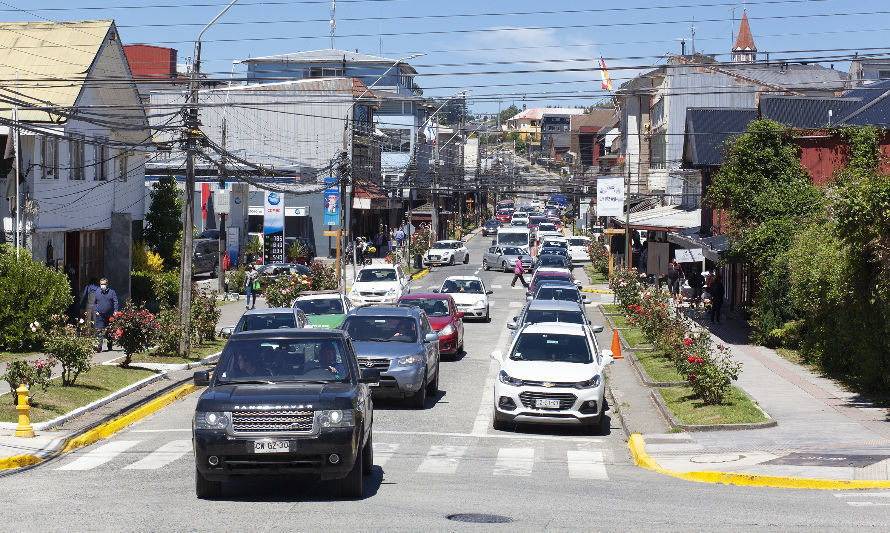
(504, 216)
(444, 317)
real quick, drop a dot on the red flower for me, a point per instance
(688, 342)
(691, 377)
(699, 360)
(111, 319)
(690, 359)
(118, 333)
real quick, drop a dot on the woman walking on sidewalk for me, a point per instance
(252, 285)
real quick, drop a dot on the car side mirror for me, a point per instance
(435, 290)
(431, 337)
(577, 283)
(511, 324)
(369, 375)
(489, 292)
(201, 378)
(226, 332)
(497, 356)
(597, 328)
(460, 314)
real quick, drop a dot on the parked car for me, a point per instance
(400, 343)
(443, 315)
(446, 253)
(285, 402)
(268, 318)
(209, 234)
(578, 248)
(504, 258)
(470, 295)
(538, 311)
(205, 259)
(490, 227)
(326, 309)
(378, 284)
(551, 374)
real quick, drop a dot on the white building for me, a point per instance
(82, 146)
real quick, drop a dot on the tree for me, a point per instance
(164, 219)
(508, 113)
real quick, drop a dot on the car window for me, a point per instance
(254, 322)
(425, 326)
(555, 347)
(401, 272)
(432, 306)
(311, 359)
(558, 293)
(472, 286)
(535, 316)
(381, 328)
(492, 250)
(320, 306)
(376, 274)
(441, 245)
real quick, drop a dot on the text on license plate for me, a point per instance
(543, 403)
(271, 446)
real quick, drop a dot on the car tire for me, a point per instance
(368, 456)
(451, 261)
(487, 317)
(432, 388)
(504, 266)
(499, 424)
(206, 489)
(418, 401)
(352, 486)
(596, 427)
(466, 259)
(484, 264)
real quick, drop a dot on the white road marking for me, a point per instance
(497, 286)
(431, 287)
(163, 456)
(383, 452)
(862, 494)
(100, 455)
(442, 459)
(515, 462)
(476, 273)
(512, 436)
(486, 404)
(586, 464)
(869, 504)
(516, 304)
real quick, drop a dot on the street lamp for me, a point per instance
(188, 205)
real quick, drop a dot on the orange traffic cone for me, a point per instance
(616, 345)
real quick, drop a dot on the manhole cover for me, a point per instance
(728, 458)
(479, 518)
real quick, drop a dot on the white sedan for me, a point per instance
(447, 252)
(552, 374)
(470, 295)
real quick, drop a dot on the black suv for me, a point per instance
(285, 402)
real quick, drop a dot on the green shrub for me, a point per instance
(29, 291)
(236, 279)
(166, 288)
(72, 346)
(788, 336)
(34, 374)
(133, 329)
(169, 331)
(205, 315)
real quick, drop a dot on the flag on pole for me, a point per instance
(607, 81)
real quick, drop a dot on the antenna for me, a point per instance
(732, 28)
(692, 29)
(333, 21)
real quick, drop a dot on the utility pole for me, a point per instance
(188, 205)
(221, 271)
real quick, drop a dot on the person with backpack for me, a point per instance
(252, 285)
(517, 273)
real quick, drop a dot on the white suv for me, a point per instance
(378, 284)
(552, 374)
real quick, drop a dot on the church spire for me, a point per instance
(744, 50)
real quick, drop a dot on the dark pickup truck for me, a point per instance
(285, 401)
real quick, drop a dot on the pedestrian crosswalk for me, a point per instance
(865, 498)
(574, 460)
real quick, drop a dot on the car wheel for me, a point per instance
(351, 486)
(466, 259)
(504, 267)
(484, 264)
(432, 389)
(418, 401)
(368, 456)
(487, 318)
(499, 424)
(206, 489)
(596, 426)
(451, 261)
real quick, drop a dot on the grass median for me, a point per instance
(612, 309)
(195, 354)
(658, 366)
(595, 276)
(98, 383)
(689, 410)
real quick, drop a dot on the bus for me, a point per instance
(559, 199)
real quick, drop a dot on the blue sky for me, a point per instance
(483, 45)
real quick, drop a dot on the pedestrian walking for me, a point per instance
(252, 285)
(716, 291)
(673, 277)
(400, 237)
(378, 242)
(106, 305)
(88, 303)
(518, 271)
(696, 281)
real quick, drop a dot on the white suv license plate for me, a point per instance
(541, 403)
(271, 446)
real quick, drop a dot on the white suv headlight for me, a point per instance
(591, 383)
(480, 303)
(505, 378)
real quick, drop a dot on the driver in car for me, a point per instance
(327, 359)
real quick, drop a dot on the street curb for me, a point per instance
(89, 407)
(598, 291)
(420, 274)
(103, 430)
(637, 446)
(675, 422)
(616, 409)
(644, 376)
(170, 366)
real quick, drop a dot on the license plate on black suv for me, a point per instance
(271, 446)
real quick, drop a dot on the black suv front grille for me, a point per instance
(272, 421)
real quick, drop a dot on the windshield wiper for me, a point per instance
(247, 382)
(375, 340)
(320, 381)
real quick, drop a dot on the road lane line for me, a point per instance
(515, 462)
(586, 464)
(486, 404)
(442, 459)
(862, 494)
(516, 304)
(511, 436)
(100, 455)
(163, 456)
(383, 452)
(476, 273)
(497, 286)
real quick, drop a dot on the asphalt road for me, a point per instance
(429, 464)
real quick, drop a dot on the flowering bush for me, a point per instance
(627, 287)
(169, 332)
(72, 346)
(134, 329)
(599, 256)
(33, 374)
(322, 277)
(421, 239)
(710, 374)
(284, 291)
(391, 258)
(205, 315)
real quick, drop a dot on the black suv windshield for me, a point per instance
(266, 321)
(321, 306)
(432, 306)
(381, 328)
(551, 347)
(283, 360)
(377, 274)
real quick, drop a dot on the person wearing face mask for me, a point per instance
(105, 307)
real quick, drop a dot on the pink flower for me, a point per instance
(690, 359)
(692, 377)
(119, 333)
(699, 360)
(688, 342)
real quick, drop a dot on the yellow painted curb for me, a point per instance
(113, 426)
(421, 274)
(600, 291)
(18, 461)
(638, 449)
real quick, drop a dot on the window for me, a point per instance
(122, 161)
(75, 159)
(50, 158)
(325, 72)
(101, 161)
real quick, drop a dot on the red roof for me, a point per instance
(151, 62)
(359, 88)
(744, 40)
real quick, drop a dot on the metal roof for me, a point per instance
(328, 56)
(707, 130)
(805, 112)
(52, 61)
(874, 110)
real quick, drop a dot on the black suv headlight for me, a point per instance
(212, 419)
(335, 418)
